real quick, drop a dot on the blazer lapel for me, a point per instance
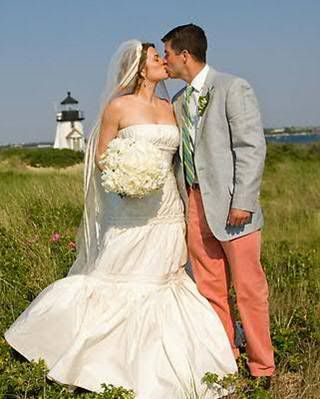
(208, 86)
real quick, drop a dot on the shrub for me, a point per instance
(44, 157)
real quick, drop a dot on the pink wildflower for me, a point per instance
(55, 237)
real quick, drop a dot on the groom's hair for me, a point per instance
(188, 37)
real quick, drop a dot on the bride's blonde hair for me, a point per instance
(131, 66)
(142, 64)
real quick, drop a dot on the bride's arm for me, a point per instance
(108, 130)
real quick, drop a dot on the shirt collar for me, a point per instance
(198, 81)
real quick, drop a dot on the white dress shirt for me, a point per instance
(197, 83)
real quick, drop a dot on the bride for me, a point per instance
(127, 313)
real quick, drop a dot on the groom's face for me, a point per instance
(173, 61)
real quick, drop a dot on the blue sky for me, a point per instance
(50, 46)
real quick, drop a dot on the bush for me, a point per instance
(43, 157)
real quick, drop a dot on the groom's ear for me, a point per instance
(185, 55)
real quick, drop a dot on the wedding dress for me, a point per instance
(137, 320)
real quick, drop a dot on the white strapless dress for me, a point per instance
(137, 320)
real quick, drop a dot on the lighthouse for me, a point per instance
(69, 132)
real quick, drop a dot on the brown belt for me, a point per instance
(195, 186)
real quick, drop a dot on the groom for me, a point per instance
(219, 169)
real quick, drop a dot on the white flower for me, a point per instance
(133, 168)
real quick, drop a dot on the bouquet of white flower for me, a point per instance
(133, 168)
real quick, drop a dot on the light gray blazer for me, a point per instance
(229, 154)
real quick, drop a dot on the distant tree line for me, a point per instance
(292, 130)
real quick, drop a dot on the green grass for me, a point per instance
(35, 203)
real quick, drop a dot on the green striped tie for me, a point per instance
(187, 144)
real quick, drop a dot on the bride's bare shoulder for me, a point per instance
(117, 106)
(119, 102)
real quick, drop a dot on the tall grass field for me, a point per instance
(41, 205)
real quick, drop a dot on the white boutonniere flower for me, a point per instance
(204, 101)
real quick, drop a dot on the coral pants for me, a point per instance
(217, 264)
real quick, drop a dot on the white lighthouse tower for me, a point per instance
(69, 127)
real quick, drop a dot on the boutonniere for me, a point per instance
(204, 101)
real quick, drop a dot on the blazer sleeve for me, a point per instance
(247, 142)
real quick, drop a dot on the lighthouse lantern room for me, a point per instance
(69, 132)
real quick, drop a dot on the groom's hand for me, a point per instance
(238, 217)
